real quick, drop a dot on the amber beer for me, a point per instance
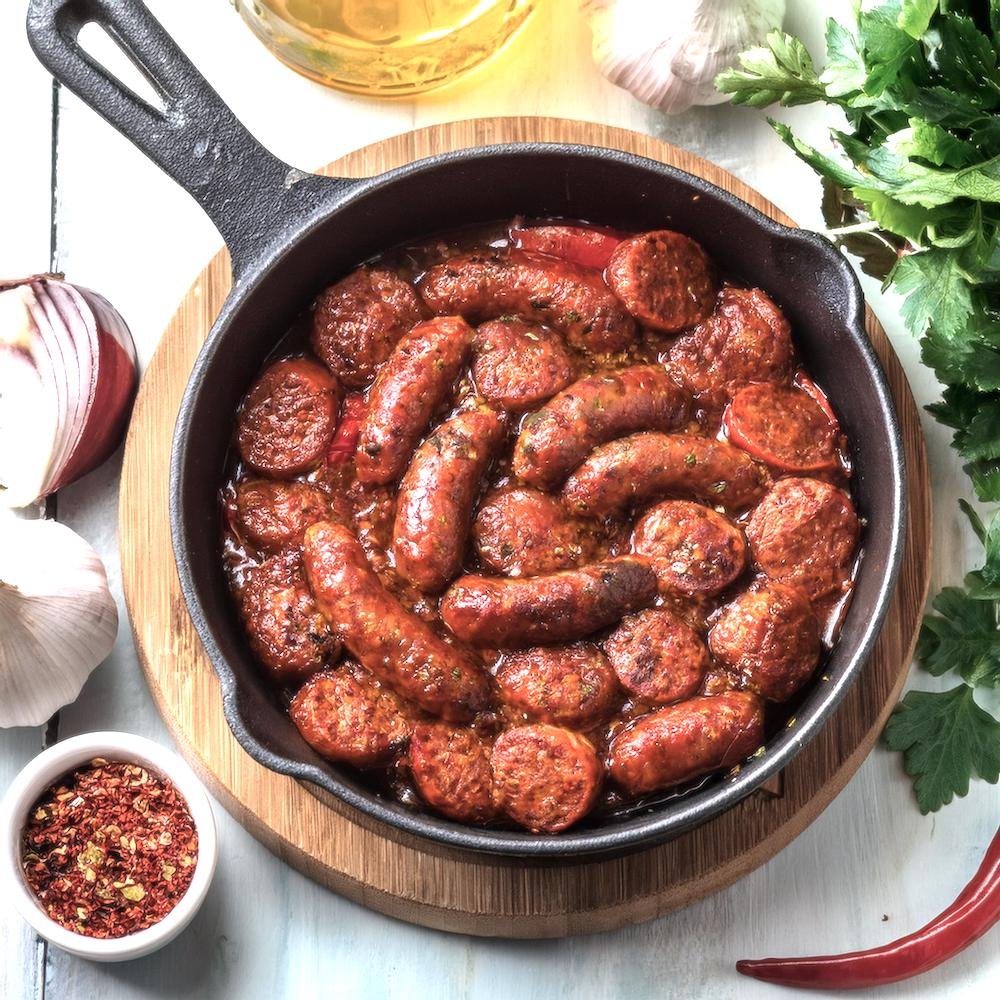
(384, 47)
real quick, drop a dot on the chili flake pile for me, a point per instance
(109, 849)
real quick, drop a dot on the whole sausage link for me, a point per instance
(558, 437)
(415, 380)
(556, 607)
(388, 640)
(434, 510)
(643, 467)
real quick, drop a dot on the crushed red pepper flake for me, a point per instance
(109, 849)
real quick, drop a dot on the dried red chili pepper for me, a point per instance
(110, 849)
(973, 913)
(345, 439)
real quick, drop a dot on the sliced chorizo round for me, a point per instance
(452, 772)
(746, 339)
(346, 715)
(545, 778)
(693, 549)
(414, 382)
(288, 417)
(664, 278)
(684, 741)
(357, 321)
(570, 686)
(287, 633)
(805, 533)
(273, 515)
(769, 638)
(524, 532)
(518, 365)
(657, 657)
(786, 427)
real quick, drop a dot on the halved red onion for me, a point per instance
(68, 376)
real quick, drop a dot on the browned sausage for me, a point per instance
(633, 470)
(790, 428)
(558, 437)
(664, 278)
(557, 607)
(416, 379)
(346, 715)
(287, 634)
(486, 284)
(434, 511)
(287, 418)
(769, 638)
(566, 685)
(357, 321)
(805, 533)
(452, 773)
(657, 657)
(274, 515)
(684, 741)
(545, 778)
(520, 365)
(390, 641)
(746, 339)
(523, 532)
(693, 549)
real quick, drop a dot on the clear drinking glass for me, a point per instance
(384, 47)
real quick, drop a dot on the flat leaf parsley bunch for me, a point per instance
(916, 196)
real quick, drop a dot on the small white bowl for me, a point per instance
(59, 760)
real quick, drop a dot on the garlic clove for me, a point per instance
(58, 619)
(669, 54)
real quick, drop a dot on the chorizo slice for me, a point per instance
(452, 772)
(693, 549)
(746, 339)
(664, 278)
(555, 439)
(287, 633)
(416, 380)
(434, 510)
(545, 778)
(357, 321)
(681, 742)
(519, 365)
(574, 300)
(524, 532)
(390, 641)
(643, 467)
(287, 419)
(805, 533)
(656, 657)
(273, 515)
(788, 428)
(769, 638)
(555, 607)
(570, 686)
(347, 716)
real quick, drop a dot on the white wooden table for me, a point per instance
(869, 869)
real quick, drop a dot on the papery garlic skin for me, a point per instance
(58, 619)
(669, 52)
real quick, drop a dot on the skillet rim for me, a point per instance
(662, 822)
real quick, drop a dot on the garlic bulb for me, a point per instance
(669, 52)
(58, 619)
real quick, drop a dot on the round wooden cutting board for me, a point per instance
(450, 890)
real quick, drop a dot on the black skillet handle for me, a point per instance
(254, 199)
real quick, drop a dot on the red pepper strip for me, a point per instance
(973, 913)
(583, 245)
(345, 439)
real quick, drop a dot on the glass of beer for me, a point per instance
(384, 48)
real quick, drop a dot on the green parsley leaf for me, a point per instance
(963, 637)
(778, 72)
(845, 71)
(915, 16)
(936, 288)
(985, 478)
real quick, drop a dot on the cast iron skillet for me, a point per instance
(291, 234)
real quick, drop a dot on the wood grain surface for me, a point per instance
(451, 891)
